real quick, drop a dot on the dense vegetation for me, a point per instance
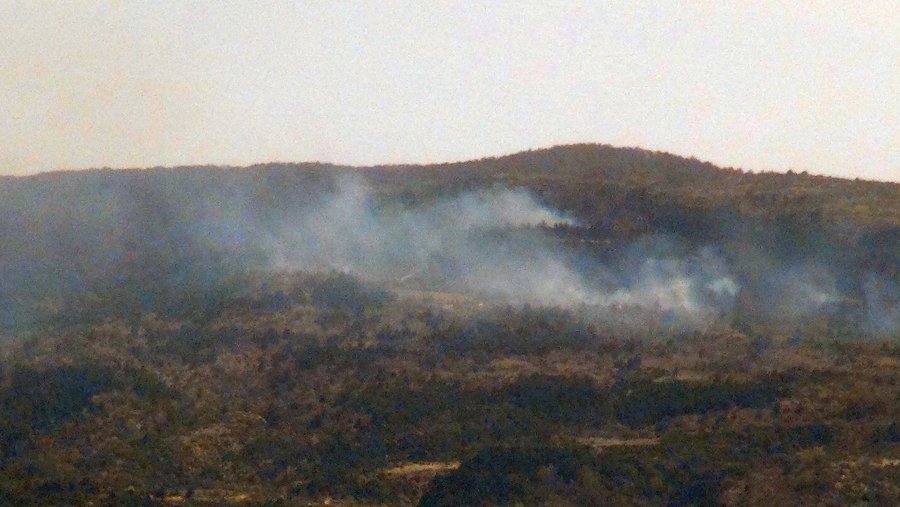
(152, 352)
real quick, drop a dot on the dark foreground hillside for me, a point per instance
(293, 395)
(582, 325)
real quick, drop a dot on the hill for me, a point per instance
(577, 325)
(172, 231)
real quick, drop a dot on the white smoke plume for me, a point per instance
(496, 244)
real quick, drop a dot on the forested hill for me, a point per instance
(587, 173)
(582, 325)
(82, 232)
(691, 181)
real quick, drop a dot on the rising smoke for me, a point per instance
(152, 242)
(499, 244)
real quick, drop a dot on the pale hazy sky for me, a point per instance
(759, 85)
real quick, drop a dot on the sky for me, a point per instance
(757, 85)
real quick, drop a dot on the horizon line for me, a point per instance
(389, 165)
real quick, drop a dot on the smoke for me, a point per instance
(157, 242)
(694, 291)
(795, 292)
(498, 244)
(447, 242)
(882, 298)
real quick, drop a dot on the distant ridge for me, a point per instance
(562, 152)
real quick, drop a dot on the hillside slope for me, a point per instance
(583, 325)
(168, 232)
